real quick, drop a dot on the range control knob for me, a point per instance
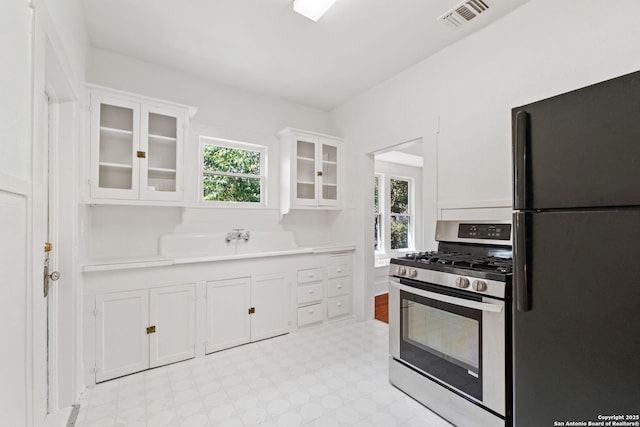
(479, 285)
(413, 273)
(462, 282)
(401, 271)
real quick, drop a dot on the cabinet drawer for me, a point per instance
(338, 306)
(310, 275)
(338, 270)
(310, 314)
(339, 286)
(308, 293)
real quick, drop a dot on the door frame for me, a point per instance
(60, 378)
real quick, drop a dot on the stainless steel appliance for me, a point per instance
(449, 323)
(576, 339)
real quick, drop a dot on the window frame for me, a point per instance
(205, 141)
(410, 209)
(381, 214)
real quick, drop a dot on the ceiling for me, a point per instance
(265, 47)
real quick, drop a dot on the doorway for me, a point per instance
(397, 224)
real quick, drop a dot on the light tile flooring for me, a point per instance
(332, 375)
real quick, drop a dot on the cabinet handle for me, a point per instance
(311, 311)
(319, 173)
(311, 291)
(339, 286)
(339, 270)
(339, 304)
(310, 275)
(141, 154)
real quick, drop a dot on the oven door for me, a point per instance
(453, 337)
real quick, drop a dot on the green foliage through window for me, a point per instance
(231, 174)
(400, 216)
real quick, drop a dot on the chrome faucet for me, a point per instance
(237, 234)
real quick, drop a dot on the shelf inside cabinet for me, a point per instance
(117, 133)
(329, 162)
(114, 165)
(162, 138)
(162, 170)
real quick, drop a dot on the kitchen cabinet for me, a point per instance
(136, 148)
(311, 170)
(141, 329)
(247, 309)
(324, 292)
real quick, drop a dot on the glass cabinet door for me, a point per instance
(329, 174)
(160, 178)
(114, 144)
(306, 171)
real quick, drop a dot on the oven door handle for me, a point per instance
(495, 308)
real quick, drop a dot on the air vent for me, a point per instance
(463, 12)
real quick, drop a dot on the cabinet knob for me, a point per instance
(141, 154)
(319, 173)
(311, 291)
(339, 286)
(339, 270)
(310, 274)
(339, 304)
(311, 311)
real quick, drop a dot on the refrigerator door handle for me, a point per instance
(520, 261)
(520, 160)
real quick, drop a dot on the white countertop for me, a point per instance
(106, 264)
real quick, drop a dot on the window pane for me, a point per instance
(376, 232)
(231, 160)
(376, 197)
(399, 193)
(231, 189)
(399, 231)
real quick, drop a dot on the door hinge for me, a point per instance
(47, 246)
(151, 330)
(252, 310)
(141, 154)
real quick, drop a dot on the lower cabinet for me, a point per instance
(137, 330)
(246, 309)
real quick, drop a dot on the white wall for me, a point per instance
(224, 112)
(459, 100)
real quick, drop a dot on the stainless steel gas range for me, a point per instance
(449, 323)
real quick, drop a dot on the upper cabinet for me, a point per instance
(136, 147)
(311, 170)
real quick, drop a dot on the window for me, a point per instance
(400, 218)
(377, 215)
(392, 213)
(232, 172)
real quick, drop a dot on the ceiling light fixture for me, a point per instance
(312, 9)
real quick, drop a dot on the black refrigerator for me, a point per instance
(576, 285)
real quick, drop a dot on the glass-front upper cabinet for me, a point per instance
(310, 170)
(136, 148)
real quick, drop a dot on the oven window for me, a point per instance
(443, 340)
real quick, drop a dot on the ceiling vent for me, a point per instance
(463, 12)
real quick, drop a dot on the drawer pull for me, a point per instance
(339, 286)
(339, 270)
(339, 304)
(310, 275)
(311, 291)
(311, 311)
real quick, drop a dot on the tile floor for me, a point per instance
(332, 375)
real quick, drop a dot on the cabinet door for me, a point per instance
(162, 136)
(305, 171)
(122, 345)
(172, 312)
(228, 303)
(114, 146)
(328, 157)
(270, 297)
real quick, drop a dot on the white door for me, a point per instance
(228, 304)
(172, 313)
(122, 345)
(270, 299)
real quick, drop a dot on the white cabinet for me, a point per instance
(311, 170)
(136, 148)
(136, 330)
(246, 309)
(324, 291)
